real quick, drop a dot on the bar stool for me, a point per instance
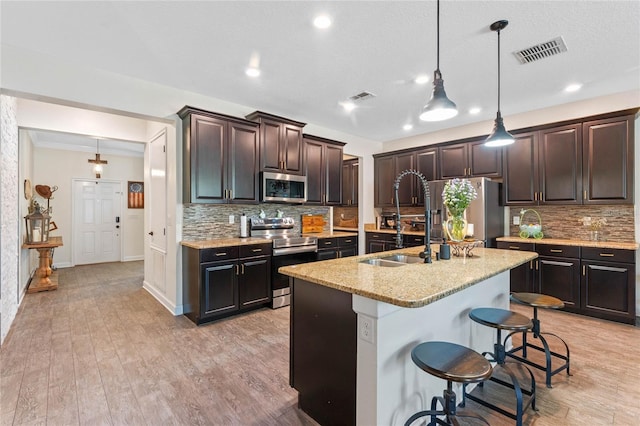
(502, 319)
(546, 302)
(453, 363)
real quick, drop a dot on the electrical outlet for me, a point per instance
(366, 327)
(232, 219)
(516, 220)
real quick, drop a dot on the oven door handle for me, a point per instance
(294, 250)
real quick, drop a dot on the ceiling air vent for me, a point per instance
(362, 96)
(541, 51)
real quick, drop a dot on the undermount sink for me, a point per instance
(393, 260)
(382, 262)
(403, 258)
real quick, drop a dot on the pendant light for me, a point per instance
(499, 136)
(439, 106)
(97, 168)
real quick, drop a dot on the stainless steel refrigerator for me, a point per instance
(485, 212)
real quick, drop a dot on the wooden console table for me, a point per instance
(44, 280)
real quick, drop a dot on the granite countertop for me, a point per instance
(345, 228)
(579, 243)
(228, 242)
(410, 285)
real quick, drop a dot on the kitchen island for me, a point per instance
(353, 326)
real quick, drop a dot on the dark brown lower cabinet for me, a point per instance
(608, 285)
(223, 281)
(323, 352)
(591, 281)
(336, 247)
(379, 241)
(521, 277)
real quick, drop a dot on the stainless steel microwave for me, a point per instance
(283, 188)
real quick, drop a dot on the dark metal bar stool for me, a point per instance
(453, 363)
(546, 302)
(502, 319)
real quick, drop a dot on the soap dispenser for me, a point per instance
(445, 250)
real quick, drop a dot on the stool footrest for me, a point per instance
(547, 366)
(519, 391)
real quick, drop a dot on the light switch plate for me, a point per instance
(516, 220)
(232, 219)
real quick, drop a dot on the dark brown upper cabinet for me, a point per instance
(544, 167)
(608, 161)
(280, 143)
(387, 168)
(220, 160)
(323, 168)
(350, 182)
(470, 159)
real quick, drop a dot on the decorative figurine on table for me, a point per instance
(262, 214)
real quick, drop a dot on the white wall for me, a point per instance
(9, 211)
(28, 258)
(57, 168)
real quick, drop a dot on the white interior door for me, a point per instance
(97, 211)
(155, 274)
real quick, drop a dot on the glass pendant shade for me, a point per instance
(439, 106)
(499, 136)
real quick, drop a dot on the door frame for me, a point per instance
(73, 214)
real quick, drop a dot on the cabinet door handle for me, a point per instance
(347, 241)
(584, 194)
(584, 270)
(537, 265)
(327, 243)
(531, 264)
(535, 196)
(541, 196)
(555, 251)
(243, 269)
(606, 254)
(514, 248)
(221, 254)
(230, 194)
(256, 250)
(237, 270)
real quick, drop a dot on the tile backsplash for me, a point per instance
(209, 221)
(566, 221)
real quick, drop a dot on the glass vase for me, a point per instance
(456, 226)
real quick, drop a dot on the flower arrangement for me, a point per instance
(457, 195)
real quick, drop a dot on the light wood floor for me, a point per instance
(101, 350)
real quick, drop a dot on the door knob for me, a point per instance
(151, 233)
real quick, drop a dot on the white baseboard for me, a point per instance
(175, 310)
(62, 265)
(133, 258)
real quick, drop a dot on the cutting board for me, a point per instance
(312, 223)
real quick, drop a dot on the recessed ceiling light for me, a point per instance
(252, 72)
(573, 87)
(421, 79)
(348, 106)
(474, 110)
(322, 22)
(407, 127)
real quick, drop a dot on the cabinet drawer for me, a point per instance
(347, 241)
(256, 250)
(413, 240)
(558, 251)
(381, 236)
(218, 253)
(609, 255)
(506, 245)
(327, 243)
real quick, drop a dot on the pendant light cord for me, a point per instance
(499, 73)
(438, 40)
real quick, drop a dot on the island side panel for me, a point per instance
(390, 387)
(323, 352)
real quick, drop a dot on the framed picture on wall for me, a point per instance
(135, 191)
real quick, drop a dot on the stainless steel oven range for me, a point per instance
(289, 248)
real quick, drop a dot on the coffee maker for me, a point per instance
(387, 220)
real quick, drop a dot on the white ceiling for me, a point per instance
(204, 47)
(85, 143)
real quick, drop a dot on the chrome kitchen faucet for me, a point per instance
(427, 213)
